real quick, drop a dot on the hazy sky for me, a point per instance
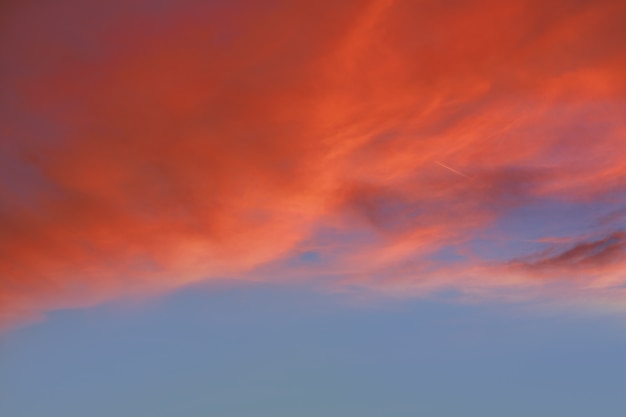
(422, 202)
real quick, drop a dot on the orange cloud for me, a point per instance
(145, 147)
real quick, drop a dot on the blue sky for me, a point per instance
(272, 351)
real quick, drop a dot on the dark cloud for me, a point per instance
(579, 258)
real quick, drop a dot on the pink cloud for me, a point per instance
(145, 149)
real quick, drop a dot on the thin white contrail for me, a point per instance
(453, 170)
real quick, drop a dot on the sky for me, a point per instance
(306, 207)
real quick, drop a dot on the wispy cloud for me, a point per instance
(145, 147)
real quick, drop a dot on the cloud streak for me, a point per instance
(146, 147)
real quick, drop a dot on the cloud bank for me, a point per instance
(403, 146)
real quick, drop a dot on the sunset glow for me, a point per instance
(396, 147)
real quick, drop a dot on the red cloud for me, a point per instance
(146, 148)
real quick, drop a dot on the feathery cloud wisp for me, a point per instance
(144, 147)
